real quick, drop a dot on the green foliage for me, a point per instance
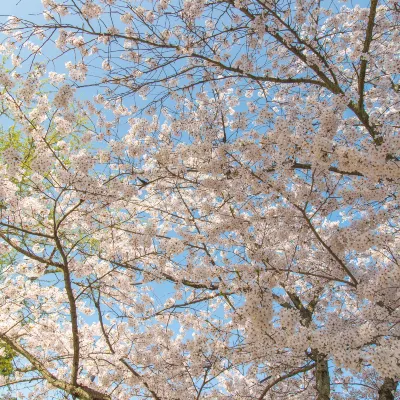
(6, 360)
(12, 137)
(7, 258)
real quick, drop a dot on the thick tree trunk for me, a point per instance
(322, 378)
(387, 390)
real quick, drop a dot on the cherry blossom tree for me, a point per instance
(199, 200)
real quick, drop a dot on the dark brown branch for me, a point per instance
(286, 376)
(123, 361)
(322, 378)
(332, 169)
(367, 44)
(70, 295)
(29, 254)
(80, 391)
(387, 389)
(330, 251)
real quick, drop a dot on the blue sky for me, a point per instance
(22, 8)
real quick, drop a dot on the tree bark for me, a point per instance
(387, 390)
(322, 378)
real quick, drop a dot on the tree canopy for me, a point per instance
(199, 200)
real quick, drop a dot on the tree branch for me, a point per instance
(80, 391)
